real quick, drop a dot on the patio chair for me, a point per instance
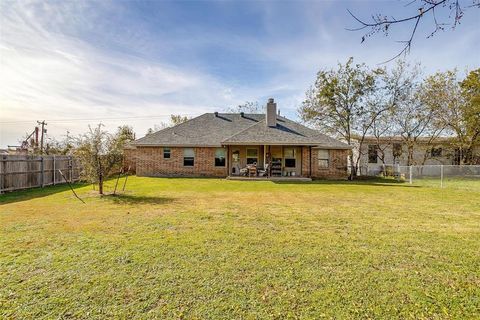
(243, 172)
(264, 172)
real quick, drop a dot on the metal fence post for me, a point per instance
(42, 167)
(441, 176)
(410, 174)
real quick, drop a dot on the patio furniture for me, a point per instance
(252, 170)
(276, 169)
(243, 172)
(264, 172)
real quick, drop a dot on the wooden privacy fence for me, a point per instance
(22, 172)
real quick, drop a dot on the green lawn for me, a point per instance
(468, 184)
(216, 249)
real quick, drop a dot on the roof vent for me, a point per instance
(271, 116)
(242, 114)
(216, 114)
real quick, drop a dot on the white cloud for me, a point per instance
(50, 69)
(49, 75)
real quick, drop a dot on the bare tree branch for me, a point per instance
(381, 23)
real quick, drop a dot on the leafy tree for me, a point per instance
(125, 135)
(62, 147)
(471, 91)
(174, 120)
(101, 153)
(457, 108)
(342, 103)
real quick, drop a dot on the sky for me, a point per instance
(79, 63)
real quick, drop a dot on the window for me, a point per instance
(166, 153)
(220, 157)
(397, 150)
(323, 158)
(188, 157)
(436, 152)
(372, 153)
(289, 157)
(252, 156)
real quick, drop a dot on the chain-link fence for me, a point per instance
(443, 176)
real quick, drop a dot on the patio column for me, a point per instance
(227, 160)
(264, 156)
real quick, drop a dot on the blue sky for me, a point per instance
(129, 62)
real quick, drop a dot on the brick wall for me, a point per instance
(150, 162)
(129, 159)
(337, 168)
(305, 161)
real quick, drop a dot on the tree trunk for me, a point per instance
(100, 184)
(410, 155)
(353, 167)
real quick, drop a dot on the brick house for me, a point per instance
(222, 144)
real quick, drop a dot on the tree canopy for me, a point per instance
(353, 101)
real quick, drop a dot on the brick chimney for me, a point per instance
(271, 116)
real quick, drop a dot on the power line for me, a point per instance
(66, 120)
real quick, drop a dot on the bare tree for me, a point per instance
(394, 88)
(414, 119)
(247, 107)
(381, 23)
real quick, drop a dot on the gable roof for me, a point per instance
(287, 132)
(209, 130)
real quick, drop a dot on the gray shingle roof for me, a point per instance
(232, 128)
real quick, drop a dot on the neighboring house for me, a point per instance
(220, 144)
(375, 153)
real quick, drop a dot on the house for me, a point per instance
(375, 153)
(221, 144)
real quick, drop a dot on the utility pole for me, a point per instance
(43, 123)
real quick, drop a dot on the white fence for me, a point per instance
(433, 175)
(440, 175)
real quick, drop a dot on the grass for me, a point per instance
(216, 249)
(468, 184)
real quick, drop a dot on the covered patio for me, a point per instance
(268, 162)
